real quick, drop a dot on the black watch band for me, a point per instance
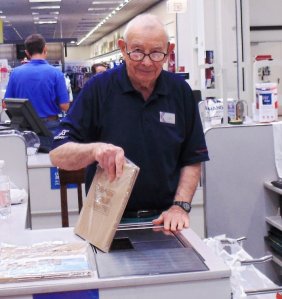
(185, 205)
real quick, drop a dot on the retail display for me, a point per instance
(266, 106)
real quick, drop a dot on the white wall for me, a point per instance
(266, 13)
(77, 53)
(209, 25)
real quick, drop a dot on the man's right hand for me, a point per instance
(110, 158)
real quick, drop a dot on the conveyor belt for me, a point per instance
(148, 252)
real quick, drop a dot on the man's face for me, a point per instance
(100, 69)
(144, 72)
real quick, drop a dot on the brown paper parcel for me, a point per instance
(104, 205)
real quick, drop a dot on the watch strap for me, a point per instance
(185, 205)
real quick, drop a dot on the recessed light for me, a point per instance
(45, 22)
(46, 7)
(104, 2)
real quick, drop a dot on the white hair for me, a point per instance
(148, 21)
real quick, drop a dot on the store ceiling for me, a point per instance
(73, 18)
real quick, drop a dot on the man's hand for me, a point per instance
(110, 158)
(175, 218)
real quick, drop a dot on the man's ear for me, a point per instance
(44, 50)
(121, 44)
(171, 47)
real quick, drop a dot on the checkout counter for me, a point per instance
(155, 263)
(123, 273)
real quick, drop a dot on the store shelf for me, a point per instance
(269, 186)
(275, 221)
(277, 259)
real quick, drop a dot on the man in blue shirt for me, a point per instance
(146, 114)
(39, 82)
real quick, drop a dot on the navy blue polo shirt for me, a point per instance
(160, 135)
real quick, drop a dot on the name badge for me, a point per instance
(167, 118)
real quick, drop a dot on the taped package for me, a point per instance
(47, 260)
(104, 206)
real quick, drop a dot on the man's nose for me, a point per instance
(147, 60)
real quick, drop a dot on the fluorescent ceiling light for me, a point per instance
(105, 2)
(118, 8)
(46, 7)
(44, 1)
(98, 8)
(45, 22)
(2, 17)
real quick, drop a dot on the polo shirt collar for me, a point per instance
(126, 85)
(38, 61)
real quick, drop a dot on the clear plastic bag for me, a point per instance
(32, 142)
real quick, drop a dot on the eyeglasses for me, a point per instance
(139, 56)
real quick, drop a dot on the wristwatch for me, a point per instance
(186, 206)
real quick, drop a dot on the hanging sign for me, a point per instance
(176, 6)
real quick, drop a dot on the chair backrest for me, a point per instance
(197, 95)
(70, 177)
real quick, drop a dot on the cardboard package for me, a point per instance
(104, 206)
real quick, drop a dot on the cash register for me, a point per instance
(24, 118)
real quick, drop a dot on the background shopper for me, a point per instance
(39, 82)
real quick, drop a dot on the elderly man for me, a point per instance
(149, 115)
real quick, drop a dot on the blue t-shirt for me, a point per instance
(160, 135)
(42, 84)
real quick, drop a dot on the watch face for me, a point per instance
(184, 205)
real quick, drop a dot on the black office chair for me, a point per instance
(70, 177)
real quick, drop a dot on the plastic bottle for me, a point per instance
(5, 197)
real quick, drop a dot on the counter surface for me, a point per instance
(13, 231)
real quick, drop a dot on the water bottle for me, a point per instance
(5, 197)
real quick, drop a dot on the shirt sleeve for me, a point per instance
(10, 90)
(194, 148)
(79, 125)
(61, 89)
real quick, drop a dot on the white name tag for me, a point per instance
(168, 118)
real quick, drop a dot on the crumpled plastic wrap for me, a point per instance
(17, 195)
(243, 277)
(47, 260)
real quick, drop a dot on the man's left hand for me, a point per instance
(174, 219)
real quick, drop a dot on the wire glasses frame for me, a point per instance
(139, 56)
